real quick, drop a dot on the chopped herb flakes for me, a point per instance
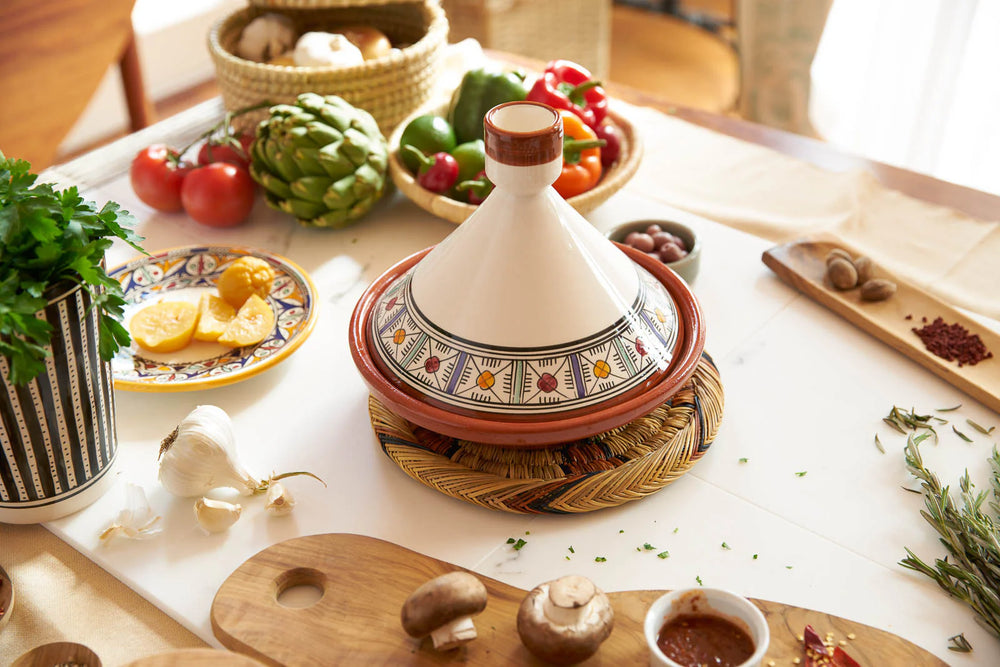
(663, 554)
(648, 547)
(744, 460)
(959, 644)
(511, 540)
(802, 473)
(572, 550)
(517, 544)
(698, 579)
(620, 532)
(600, 559)
(755, 556)
(726, 547)
(788, 567)
(675, 530)
(981, 429)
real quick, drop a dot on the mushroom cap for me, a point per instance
(564, 644)
(440, 601)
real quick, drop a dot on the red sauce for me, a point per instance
(693, 640)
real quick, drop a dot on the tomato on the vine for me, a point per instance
(156, 175)
(210, 152)
(218, 195)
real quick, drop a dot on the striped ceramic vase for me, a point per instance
(57, 432)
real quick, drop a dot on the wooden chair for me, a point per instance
(53, 55)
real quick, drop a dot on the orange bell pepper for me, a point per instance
(581, 157)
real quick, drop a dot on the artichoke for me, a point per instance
(320, 159)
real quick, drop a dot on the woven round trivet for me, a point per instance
(606, 470)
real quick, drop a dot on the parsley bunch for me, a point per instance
(46, 237)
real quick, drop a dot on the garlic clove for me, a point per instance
(136, 520)
(216, 516)
(200, 455)
(280, 500)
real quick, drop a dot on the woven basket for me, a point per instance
(626, 464)
(452, 210)
(389, 88)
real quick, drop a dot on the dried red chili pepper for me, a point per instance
(566, 85)
(818, 654)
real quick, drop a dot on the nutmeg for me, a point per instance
(865, 269)
(835, 253)
(841, 273)
(877, 289)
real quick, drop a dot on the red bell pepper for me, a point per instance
(566, 85)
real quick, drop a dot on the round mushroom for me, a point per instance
(564, 621)
(443, 608)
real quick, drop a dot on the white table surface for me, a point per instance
(805, 391)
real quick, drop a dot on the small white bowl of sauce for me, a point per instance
(698, 626)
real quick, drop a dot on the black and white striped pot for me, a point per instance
(58, 442)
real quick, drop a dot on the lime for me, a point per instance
(429, 134)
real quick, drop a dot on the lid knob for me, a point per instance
(523, 134)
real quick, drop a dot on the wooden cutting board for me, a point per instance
(803, 265)
(365, 582)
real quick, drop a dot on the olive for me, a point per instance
(640, 241)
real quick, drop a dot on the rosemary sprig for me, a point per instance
(971, 537)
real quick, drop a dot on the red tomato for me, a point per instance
(218, 195)
(209, 153)
(156, 179)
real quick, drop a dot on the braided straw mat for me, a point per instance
(605, 470)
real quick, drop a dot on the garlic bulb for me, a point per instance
(136, 520)
(200, 455)
(266, 37)
(280, 501)
(216, 516)
(324, 49)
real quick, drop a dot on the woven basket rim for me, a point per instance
(456, 212)
(436, 34)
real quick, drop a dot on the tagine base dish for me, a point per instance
(606, 470)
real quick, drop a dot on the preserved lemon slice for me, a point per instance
(164, 327)
(252, 324)
(245, 276)
(214, 315)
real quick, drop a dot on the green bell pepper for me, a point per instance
(481, 90)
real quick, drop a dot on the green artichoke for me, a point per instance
(321, 160)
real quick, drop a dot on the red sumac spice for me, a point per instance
(952, 342)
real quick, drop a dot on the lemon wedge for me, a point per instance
(214, 315)
(252, 324)
(164, 327)
(245, 276)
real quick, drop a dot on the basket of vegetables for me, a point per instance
(380, 56)
(437, 154)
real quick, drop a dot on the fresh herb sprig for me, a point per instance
(971, 536)
(48, 236)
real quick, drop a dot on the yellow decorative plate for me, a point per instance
(184, 274)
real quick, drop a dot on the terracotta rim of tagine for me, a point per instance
(523, 149)
(543, 430)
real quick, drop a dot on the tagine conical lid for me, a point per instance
(525, 312)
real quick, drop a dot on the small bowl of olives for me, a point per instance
(672, 243)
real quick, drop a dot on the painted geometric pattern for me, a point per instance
(525, 380)
(290, 298)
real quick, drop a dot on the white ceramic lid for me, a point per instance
(525, 308)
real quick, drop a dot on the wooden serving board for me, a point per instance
(365, 582)
(802, 264)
